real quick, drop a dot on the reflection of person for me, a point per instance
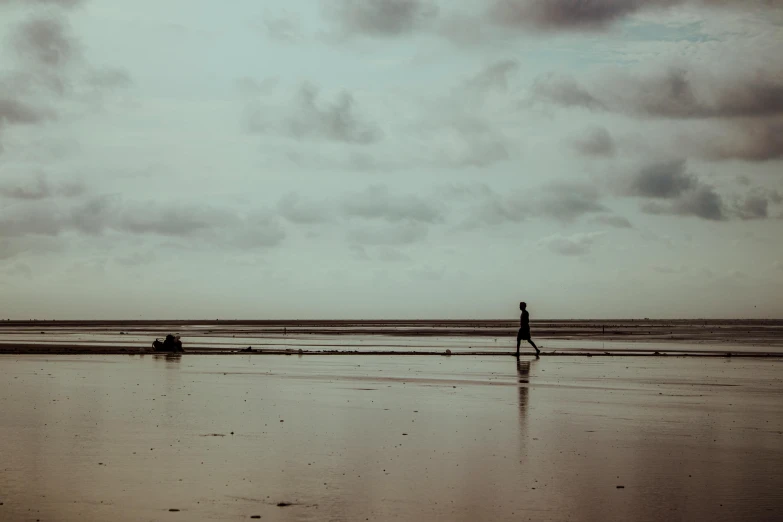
(524, 328)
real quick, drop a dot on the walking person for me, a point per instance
(524, 328)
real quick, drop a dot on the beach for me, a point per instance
(754, 338)
(132, 437)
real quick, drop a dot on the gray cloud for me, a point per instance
(612, 221)
(562, 89)
(377, 203)
(563, 202)
(307, 117)
(173, 220)
(701, 201)
(756, 203)
(473, 143)
(48, 65)
(573, 245)
(674, 93)
(592, 14)
(568, 201)
(37, 220)
(60, 3)
(684, 194)
(753, 207)
(282, 26)
(38, 187)
(755, 141)
(45, 41)
(382, 18)
(403, 233)
(664, 180)
(17, 112)
(300, 212)
(259, 230)
(493, 77)
(495, 209)
(11, 247)
(204, 225)
(595, 142)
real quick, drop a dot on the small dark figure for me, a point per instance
(171, 344)
(524, 329)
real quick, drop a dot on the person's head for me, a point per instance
(522, 305)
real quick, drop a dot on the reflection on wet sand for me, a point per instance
(90, 438)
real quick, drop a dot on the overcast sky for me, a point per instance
(391, 158)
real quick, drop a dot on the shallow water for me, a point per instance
(127, 438)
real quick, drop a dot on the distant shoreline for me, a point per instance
(422, 336)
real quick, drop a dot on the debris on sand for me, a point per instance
(173, 510)
(284, 504)
(214, 435)
(248, 349)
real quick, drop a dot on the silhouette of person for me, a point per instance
(524, 328)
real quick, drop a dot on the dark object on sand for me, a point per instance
(171, 344)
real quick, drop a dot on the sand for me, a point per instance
(597, 338)
(128, 438)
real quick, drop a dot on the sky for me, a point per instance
(382, 159)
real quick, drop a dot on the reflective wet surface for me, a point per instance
(128, 438)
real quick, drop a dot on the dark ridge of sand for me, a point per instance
(758, 338)
(37, 349)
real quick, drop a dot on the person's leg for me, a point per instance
(534, 346)
(519, 339)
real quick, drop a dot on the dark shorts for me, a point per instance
(523, 333)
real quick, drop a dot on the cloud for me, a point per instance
(45, 41)
(308, 117)
(49, 68)
(403, 233)
(16, 112)
(258, 230)
(37, 219)
(702, 202)
(281, 26)
(493, 77)
(381, 18)
(755, 141)
(59, 3)
(592, 15)
(675, 93)
(376, 202)
(755, 204)
(468, 141)
(490, 208)
(293, 208)
(753, 207)
(573, 245)
(564, 202)
(673, 191)
(99, 215)
(172, 219)
(595, 142)
(612, 221)
(663, 180)
(567, 201)
(39, 187)
(563, 89)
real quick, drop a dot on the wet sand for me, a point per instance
(128, 438)
(754, 338)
